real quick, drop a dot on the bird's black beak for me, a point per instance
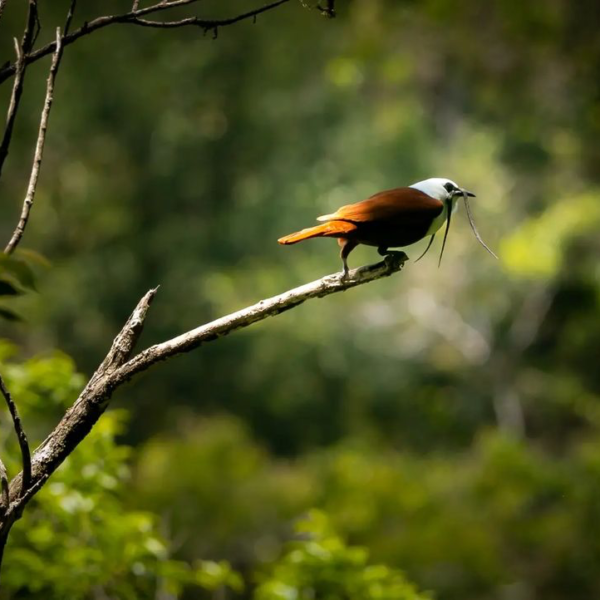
(468, 193)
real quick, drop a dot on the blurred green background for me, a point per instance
(448, 420)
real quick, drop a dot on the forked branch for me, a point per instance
(135, 17)
(117, 368)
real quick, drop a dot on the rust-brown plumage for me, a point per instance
(389, 219)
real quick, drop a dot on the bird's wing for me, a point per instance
(407, 204)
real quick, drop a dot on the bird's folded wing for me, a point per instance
(399, 203)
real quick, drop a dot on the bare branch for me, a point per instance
(20, 65)
(4, 499)
(39, 148)
(114, 371)
(133, 17)
(206, 25)
(69, 17)
(22, 438)
(265, 308)
(4, 506)
(87, 409)
(124, 343)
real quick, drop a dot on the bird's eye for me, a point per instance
(449, 187)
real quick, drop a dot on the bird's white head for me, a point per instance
(441, 189)
(448, 193)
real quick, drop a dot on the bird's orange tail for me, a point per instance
(331, 229)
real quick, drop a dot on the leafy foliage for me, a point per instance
(78, 538)
(16, 277)
(503, 516)
(322, 566)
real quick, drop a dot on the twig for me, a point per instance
(39, 148)
(37, 26)
(20, 65)
(133, 17)
(207, 24)
(69, 17)
(123, 345)
(263, 309)
(115, 371)
(21, 436)
(4, 499)
(328, 10)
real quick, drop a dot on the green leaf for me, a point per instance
(9, 289)
(33, 257)
(9, 315)
(20, 270)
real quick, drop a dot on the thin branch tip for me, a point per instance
(328, 10)
(4, 489)
(22, 51)
(150, 294)
(21, 436)
(39, 147)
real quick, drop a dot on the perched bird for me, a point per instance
(391, 219)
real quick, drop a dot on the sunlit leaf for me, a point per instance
(33, 257)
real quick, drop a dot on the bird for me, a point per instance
(393, 218)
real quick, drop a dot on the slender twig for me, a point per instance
(39, 149)
(20, 65)
(206, 24)
(69, 17)
(329, 9)
(21, 436)
(37, 27)
(133, 17)
(4, 499)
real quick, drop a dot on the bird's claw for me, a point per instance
(395, 259)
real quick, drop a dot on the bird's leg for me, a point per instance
(383, 251)
(346, 247)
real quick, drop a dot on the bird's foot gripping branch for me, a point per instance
(393, 261)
